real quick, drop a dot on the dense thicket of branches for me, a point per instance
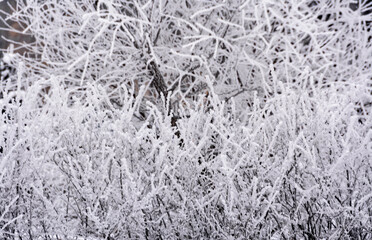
(188, 119)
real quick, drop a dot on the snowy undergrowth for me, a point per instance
(238, 120)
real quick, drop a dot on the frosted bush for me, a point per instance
(188, 120)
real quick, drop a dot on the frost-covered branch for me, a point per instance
(187, 120)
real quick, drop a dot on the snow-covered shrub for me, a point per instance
(188, 120)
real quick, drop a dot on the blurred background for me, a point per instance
(6, 37)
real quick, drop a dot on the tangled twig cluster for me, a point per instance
(172, 119)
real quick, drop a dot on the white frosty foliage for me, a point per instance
(188, 119)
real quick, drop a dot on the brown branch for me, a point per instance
(158, 80)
